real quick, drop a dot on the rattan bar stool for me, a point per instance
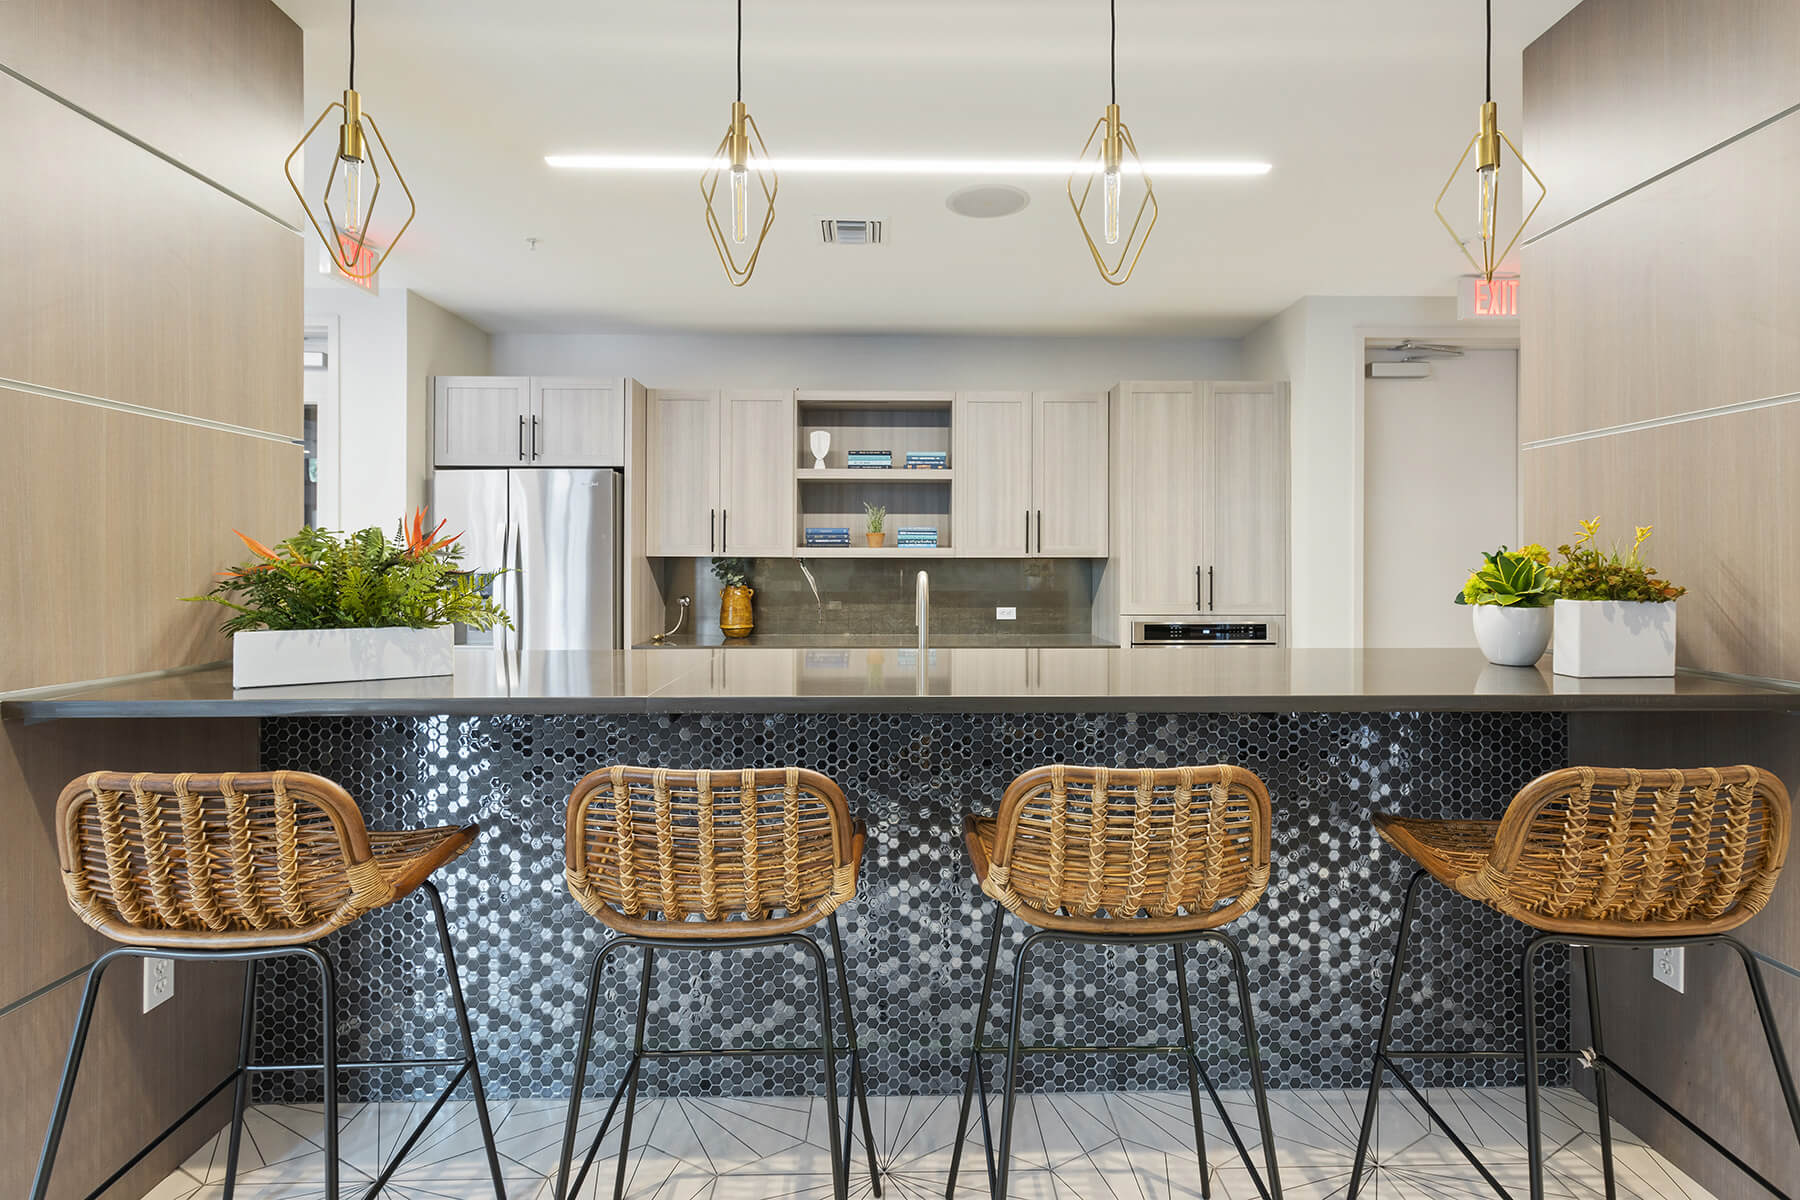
(721, 861)
(246, 868)
(1591, 857)
(1121, 858)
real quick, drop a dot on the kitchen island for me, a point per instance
(1335, 734)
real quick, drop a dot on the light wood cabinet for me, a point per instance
(1031, 474)
(1202, 500)
(991, 506)
(720, 474)
(509, 421)
(481, 420)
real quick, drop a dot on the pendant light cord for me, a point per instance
(1490, 49)
(353, 45)
(1113, 47)
(740, 51)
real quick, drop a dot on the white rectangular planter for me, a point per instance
(268, 657)
(1614, 638)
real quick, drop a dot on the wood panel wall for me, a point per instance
(1660, 384)
(150, 324)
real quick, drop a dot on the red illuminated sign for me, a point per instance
(363, 258)
(1477, 299)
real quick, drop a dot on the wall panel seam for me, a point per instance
(1682, 418)
(144, 410)
(1739, 136)
(141, 144)
(7, 1010)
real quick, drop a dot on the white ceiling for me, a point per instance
(1361, 105)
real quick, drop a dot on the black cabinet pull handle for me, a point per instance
(712, 529)
(1040, 531)
(534, 448)
(521, 439)
(724, 530)
(1209, 590)
(1199, 601)
(1028, 531)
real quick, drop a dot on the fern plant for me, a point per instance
(317, 579)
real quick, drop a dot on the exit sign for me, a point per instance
(363, 257)
(1479, 300)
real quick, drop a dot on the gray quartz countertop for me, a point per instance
(885, 641)
(877, 680)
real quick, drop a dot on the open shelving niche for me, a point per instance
(896, 421)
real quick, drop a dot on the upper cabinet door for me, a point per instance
(1162, 497)
(991, 514)
(756, 512)
(1247, 443)
(480, 421)
(577, 423)
(682, 498)
(1069, 474)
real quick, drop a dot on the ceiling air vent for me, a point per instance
(842, 231)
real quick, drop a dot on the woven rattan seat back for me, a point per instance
(1086, 848)
(1646, 853)
(227, 860)
(710, 853)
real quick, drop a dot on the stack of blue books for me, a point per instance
(918, 536)
(828, 535)
(871, 458)
(927, 460)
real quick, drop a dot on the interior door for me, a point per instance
(1069, 474)
(756, 517)
(1247, 446)
(1162, 495)
(682, 490)
(991, 457)
(577, 423)
(480, 421)
(565, 558)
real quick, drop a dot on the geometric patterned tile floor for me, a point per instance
(1113, 1146)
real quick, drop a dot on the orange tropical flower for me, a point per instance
(256, 547)
(420, 543)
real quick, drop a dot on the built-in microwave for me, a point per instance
(1241, 631)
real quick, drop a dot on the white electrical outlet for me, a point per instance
(159, 981)
(1668, 966)
(1006, 614)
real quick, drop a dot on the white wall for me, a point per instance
(387, 345)
(1316, 344)
(1440, 485)
(877, 361)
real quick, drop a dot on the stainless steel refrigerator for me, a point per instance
(556, 535)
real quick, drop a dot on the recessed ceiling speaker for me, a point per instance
(985, 200)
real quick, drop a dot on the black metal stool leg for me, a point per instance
(585, 1047)
(1396, 972)
(636, 1071)
(981, 1016)
(328, 1014)
(1601, 1101)
(454, 978)
(71, 1066)
(1193, 1069)
(858, 1091)
(1242, 971)
(1783, 1071)
(246, 1033)
(1534, 1133)
(840, 1176)
(1013, 1047)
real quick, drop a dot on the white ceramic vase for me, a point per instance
(269, 657)
(1511, 635)
(1614, 638)
(821, 442)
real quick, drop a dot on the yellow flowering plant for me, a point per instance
(1587, 572)
(1511, 578)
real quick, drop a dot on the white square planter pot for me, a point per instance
(1614, 638)
(267, 657)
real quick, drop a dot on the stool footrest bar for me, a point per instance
(1621, 1073)
(1455, 1138)
(162, 1137)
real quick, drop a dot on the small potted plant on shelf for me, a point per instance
(1614, 617)
(735, 617)
(322, 607)
(877, 518)
(1510, 597)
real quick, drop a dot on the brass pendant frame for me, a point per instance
(335, 243)
(1489, 137)
(767, 179)
(1119, 271)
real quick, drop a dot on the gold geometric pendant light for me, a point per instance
(1107, 160)
(353, 184)
(739, 154)
(1485, 145)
